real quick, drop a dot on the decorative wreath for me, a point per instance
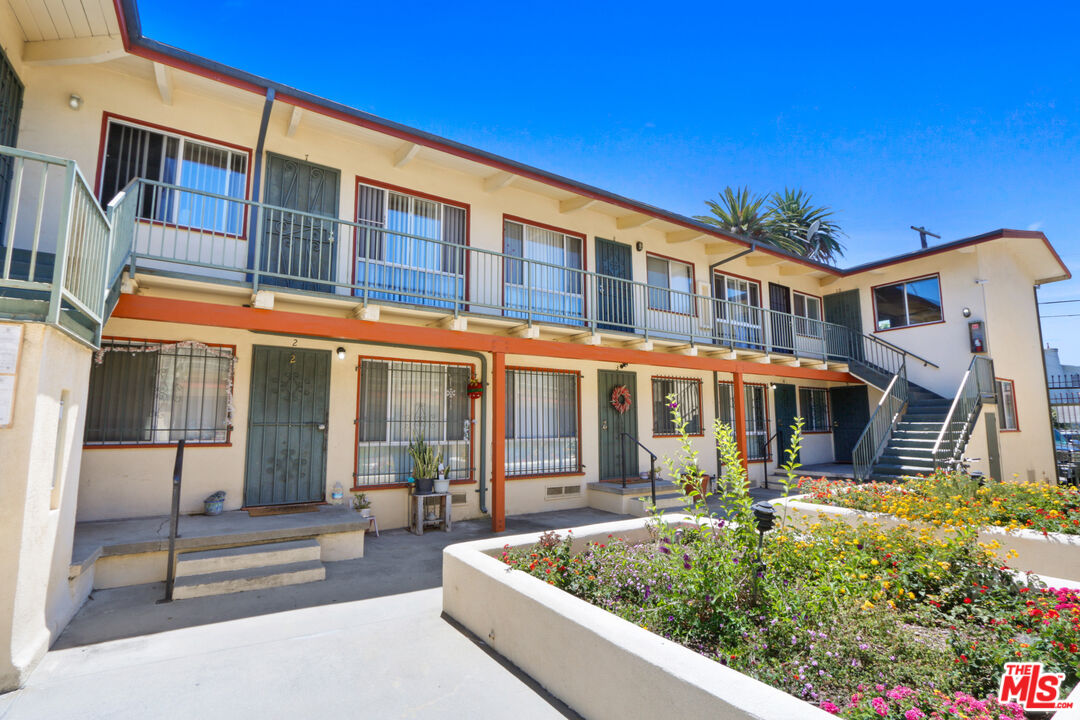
(620, 398)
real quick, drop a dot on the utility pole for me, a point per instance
(923, 232)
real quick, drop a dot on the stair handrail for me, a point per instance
(652, 463)
(977, 383)
(908, 353)
(875, 436)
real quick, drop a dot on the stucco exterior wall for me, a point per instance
(40, 477)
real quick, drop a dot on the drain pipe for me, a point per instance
(482, 480)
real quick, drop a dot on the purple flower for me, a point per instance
(664, 549)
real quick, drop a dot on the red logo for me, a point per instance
(1027, 685)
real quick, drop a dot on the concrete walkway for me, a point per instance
(368, 642)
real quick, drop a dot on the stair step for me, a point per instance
(257, 578)
(247, 556)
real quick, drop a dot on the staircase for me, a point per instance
(910, 449)
(250, 567)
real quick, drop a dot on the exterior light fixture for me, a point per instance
(341, 353)
(764, 515)
(75, 101)
(639, 245)
(967, 312)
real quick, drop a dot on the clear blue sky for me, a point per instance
(964, 118)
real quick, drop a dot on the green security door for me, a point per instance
(850, 414)
(289, 406)
(613, 461)
(786, 412)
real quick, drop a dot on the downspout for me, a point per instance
(482, 480)
(1046, 386)
(256, 173)
(716, 414)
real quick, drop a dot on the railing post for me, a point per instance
(174, 522)
(62, 233)
(367, 263)
(652, 476)
(528, 292)
(256, 258)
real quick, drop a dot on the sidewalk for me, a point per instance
(368, 642)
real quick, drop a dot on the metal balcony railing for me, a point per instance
(205, 235)
(56, 260)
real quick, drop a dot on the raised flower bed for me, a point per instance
(1033, 526)
(702, 616)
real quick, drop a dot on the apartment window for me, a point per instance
(757, 417)
(1007, 405)
(198, 166)
(420, 258)
(150, 393)
(670, 285)
(400, 401)
(687, 392)
(542, 414)
(807, 312)
(814, 409)
(740, 317)
(912, 302)
(552, 284)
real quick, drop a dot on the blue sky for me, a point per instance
(962, 117)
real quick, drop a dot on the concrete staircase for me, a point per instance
(249, 567)
(910, 449)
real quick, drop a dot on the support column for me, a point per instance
(498, 442)
(739, 392)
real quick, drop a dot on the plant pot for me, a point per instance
(424, 486)
(365, 512)
(213, 507)
(442, 486)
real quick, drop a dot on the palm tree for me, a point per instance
(790, 218)
(738, 212)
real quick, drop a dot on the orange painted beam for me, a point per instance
(188, 312)
(739, 392)
(498, 442)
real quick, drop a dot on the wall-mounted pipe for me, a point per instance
(482, 479)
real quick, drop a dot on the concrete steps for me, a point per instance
(249, 567)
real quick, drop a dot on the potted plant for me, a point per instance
(361, 504)
(426, 460)
(695, 483)
(475, 388)
(214, 503)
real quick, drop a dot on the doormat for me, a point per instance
(282, 509)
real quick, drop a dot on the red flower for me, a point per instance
(967, 601)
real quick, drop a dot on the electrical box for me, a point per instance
(977, 331)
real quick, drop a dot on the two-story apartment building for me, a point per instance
(299, 289)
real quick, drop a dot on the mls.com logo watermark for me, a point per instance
(1028, 686)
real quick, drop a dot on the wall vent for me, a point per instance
(458, 498)
(557, 491)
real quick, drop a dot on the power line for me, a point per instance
(1044, 317)
(1057, 302)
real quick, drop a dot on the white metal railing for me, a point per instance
(976, 387)
(875, 437)
(55, 244)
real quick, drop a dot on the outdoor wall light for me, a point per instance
(967, 312)
(639, 245)
(75, 101)
(341, 353)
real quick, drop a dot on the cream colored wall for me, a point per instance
(992, 280)
(40, 477)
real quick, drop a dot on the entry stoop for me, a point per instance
(250, 567)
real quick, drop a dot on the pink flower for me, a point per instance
(880, 706)
(914, 714)
(829, 707)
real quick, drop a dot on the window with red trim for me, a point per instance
(1007, 405)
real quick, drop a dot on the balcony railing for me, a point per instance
(56, 262)
(211, 236)
(976, 388)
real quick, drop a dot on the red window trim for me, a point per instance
(356, 431)
(361, 180)
(580, 465)
(1016, 406)
(873, 302)
(768, 415)
(693, 284)
(700, 400)
(584, 259)
(828, 408)
(107, 116)
(146, 446)
(741, 277)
